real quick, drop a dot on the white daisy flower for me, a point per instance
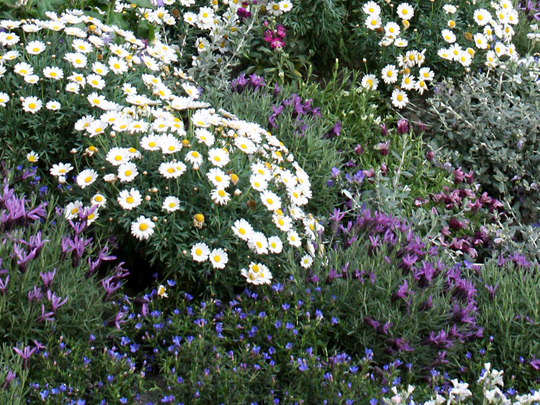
(60, 169)
(117, 156)
(218, 157)
(77, 59)
(95, 81)
(82, 46)
(306, 261)
(53, 105)
(389, 74)
(220, 196)
(258, 243)
(99, 199)
(171, 204)
(73, 88)
(242, 229)
(392, 30)
(204, 136)
(117, 65)
(373, 22)
(399, 98)
(218, 178)
(129, 199)
(23, 69)
(100, 68)
(150, 142)
(370, 82)
(283, 223)
(127, 172)
(71, 211)
(170, 144)
(200, 252)
(294, 239)
(275, 245)
(32, 104)
(371, 8)
(258, 182)
(9, 38)
(408, 82)
(270, 200)
(32, 157)
(35, 47)
(218, 258)
(405, 11)
(194, 157)
(86, 178)
(142, 228)
(4, 98)
(448, 36)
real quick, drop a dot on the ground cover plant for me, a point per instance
(202, 204)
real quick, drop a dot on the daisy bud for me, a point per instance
(154, 219)
(73, 151)
(147, 198)
(237, 192)
(154, 190)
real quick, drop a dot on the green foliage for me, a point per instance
(511, 315)
(488, 123)
(13, 377)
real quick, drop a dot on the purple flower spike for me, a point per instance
(56, 302)
(48, 278)
(26, 353)
(9, 377)
(403, 126)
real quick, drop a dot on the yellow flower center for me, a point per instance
(172, 205)
(221, 193)
(217, 258)
(171, 148)
(99, 129)
(74, 211)
(269, 201)
(199, 217)
(198, 252)
(143, 227)
(170, 170)
(130, 200)
(255, 268)
(242, 231)
(259, 244)
(32, 106)
(88, 179)
(152, 144)
(217, 159)
(98, 198)
(128, 173)
(118, 158)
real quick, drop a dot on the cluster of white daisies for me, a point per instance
(221, 27)
(494, 36)
(155, 119)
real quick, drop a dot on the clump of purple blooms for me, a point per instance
(252, 82)
(300, 111)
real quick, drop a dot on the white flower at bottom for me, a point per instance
(142, 228)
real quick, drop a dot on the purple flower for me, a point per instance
(402, 126)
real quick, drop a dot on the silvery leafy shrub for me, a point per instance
(220, 201)
(489, 124)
